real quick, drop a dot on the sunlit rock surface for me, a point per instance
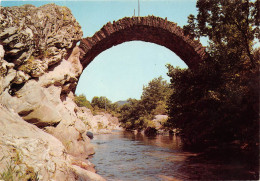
(35, 38)
(39, 71)
(102, 123)
(27, 147)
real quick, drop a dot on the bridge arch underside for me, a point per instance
(173, 38)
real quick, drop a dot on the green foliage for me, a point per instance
(29, 65)
(82, 101)
(98, 104)
(156, 92)
(101, 102)
(13, 170)
(137, 114)
(130, 112)
(9, 173)
(100, 126)
(105, 105)
(218, 102)
(160, 108)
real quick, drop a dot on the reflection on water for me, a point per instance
(128, 157)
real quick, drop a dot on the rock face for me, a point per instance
(34, 41)
(32, 150)
(102, 123)
(39, 71)
(35, 38)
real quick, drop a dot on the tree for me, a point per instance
(137, 114)
(155, 93)
(218, 102)
(130, 113)
(101, 102)
(82, 101)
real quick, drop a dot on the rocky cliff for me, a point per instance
(40, 128)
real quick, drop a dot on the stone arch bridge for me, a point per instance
(149, 29)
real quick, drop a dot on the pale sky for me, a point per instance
(120, 72)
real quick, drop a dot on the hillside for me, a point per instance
(120, 103)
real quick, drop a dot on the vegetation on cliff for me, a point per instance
(16, 170)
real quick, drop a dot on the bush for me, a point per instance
(13, 170)
(82, 101)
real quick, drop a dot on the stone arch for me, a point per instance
(149, 29)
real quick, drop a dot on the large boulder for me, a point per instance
(33, 102)
(101, 123)
(33, 41)
(72, 133)
(32, 153)
(37, 37)
(159, 120)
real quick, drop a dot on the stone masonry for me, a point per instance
(149, 29)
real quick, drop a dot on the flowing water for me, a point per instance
(132, 157)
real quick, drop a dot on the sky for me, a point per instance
(121, 72)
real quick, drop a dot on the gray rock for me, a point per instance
(90, 134)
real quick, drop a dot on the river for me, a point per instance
(130, 157)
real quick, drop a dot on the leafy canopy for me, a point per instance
(137, 114)
(218, 102)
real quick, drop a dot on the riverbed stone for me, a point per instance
(90, 134)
